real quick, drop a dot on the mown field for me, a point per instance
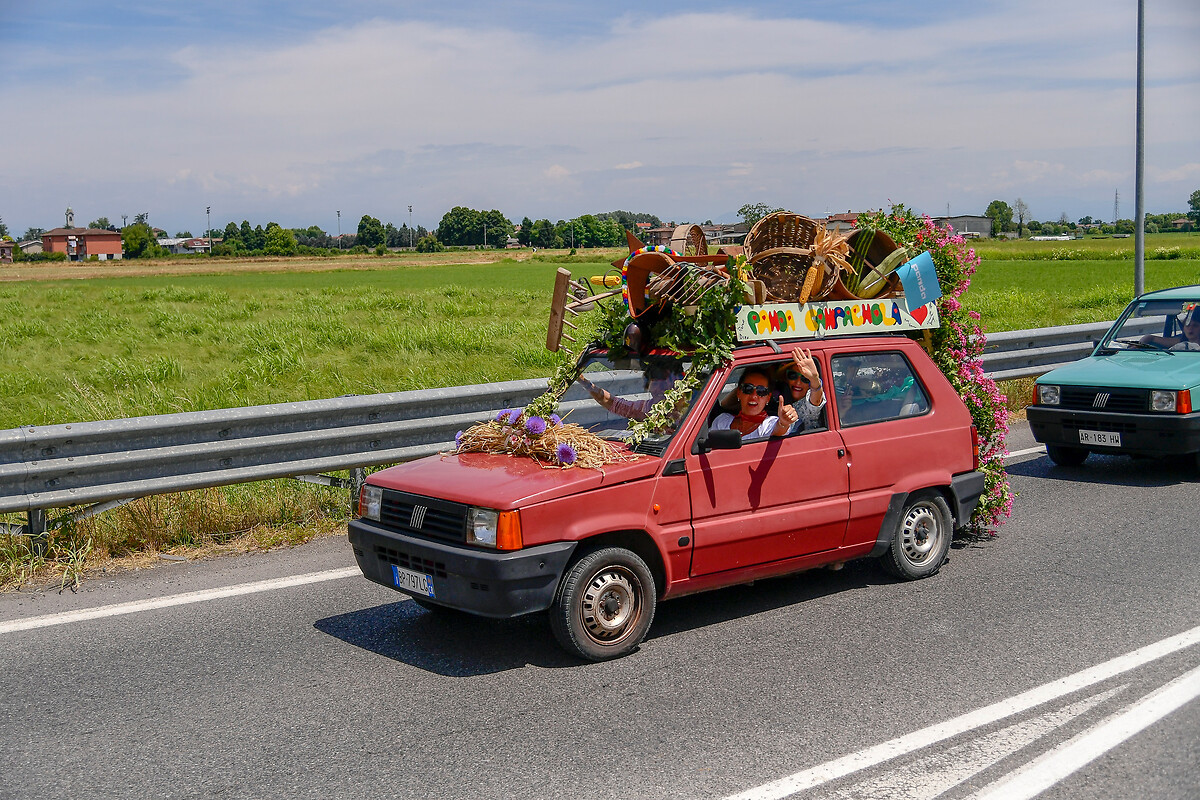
(165, 337)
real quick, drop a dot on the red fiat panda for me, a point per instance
(886, 468)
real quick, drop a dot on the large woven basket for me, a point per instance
(779, 249)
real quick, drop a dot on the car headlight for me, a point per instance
(369, 501)
(482, 524)
(500, 530)
(1048, 395)
(1161, 400)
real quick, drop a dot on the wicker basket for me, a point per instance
(688, 240)
(779, 249)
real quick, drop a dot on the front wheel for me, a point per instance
(922, 539)
(605, 605)
(1066, 456)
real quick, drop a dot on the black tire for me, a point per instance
(922, 538)
(605, 604)
(1066, 456)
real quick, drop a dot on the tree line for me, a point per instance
(1017, 219)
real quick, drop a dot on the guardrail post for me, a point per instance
(358, 477)
(36, 531)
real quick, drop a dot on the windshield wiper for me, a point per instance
(1137, 344)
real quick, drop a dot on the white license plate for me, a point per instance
(1102, 438)
(414, 582)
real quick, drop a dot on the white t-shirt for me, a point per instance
(724, 421)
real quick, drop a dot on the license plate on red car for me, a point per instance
(415, 582)
(1102, 438)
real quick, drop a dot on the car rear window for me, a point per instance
(874, 387)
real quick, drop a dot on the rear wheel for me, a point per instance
(605, 605)
(922, 539)
(1066, 456)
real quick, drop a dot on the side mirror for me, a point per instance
(723, 440)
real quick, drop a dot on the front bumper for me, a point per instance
(1141, 434)
(484, 582)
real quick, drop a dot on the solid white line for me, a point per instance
(911, 742)
(1028, 451)
(134, 607)
(1042, 773)
(932, 775)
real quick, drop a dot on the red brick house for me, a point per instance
(81, 243)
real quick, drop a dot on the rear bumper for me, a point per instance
(1141, 434)
(491, 584)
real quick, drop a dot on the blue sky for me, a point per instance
(293, 111)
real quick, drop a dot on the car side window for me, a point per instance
(873, 387)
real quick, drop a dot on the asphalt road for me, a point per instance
(996, 677)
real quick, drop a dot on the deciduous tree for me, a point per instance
(370, 232)
(753, 212)
(1001, 215)
(1194, 204)
(101, 223)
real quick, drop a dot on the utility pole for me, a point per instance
(208, 216)
(410, 229)
(339, 230)
(1116, 205)
(1139, 223)
(485, 233)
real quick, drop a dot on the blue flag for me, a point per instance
(919, 278)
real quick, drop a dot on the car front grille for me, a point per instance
(1093, 398)
(405, 560)
(424, 516)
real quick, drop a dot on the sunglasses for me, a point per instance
(792, 375)
(751, 388)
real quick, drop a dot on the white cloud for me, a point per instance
(720, 108)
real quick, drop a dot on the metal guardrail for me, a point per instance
(1023, 354)
(106, 463)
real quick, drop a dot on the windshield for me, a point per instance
(610, 395)
(1171, 326)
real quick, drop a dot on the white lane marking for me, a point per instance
(134, 607)
(902, 745)
(931, 776)
(1028, 451)
(1042, 773)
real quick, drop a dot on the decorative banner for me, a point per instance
(919, 278)
(835, 318)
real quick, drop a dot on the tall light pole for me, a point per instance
(410, 230)
(208, 216)
(485, 232)
(339, 230)
(1139, 223)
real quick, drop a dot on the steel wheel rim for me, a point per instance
(920, 534)
(610, 606)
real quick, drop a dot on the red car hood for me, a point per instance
(503, 482)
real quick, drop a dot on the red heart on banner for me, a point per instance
(919, 314)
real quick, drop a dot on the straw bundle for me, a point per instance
(554, 445)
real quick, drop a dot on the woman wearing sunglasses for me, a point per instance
(801, 388)
(752, 421)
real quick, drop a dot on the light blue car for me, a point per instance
(1135, 393)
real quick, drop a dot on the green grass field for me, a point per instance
(107, 347)
(113, 347)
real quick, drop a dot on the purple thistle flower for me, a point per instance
(504, 416)
(555, 420)
(535, 425)
(565, 454)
